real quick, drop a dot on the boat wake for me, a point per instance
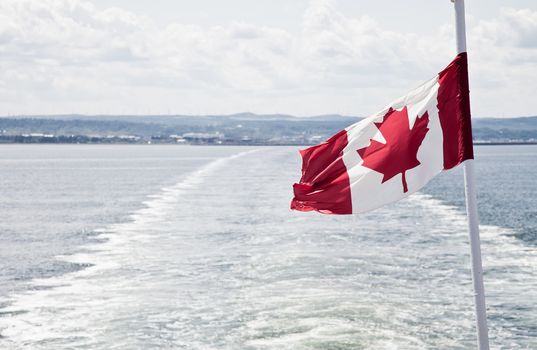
(64, 309)
(218, 261)
(509, 273)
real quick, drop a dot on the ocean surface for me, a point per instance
(178, 247)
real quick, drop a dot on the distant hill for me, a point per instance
(504, 129)
(235, 128)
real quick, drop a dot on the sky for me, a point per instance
(300, 57)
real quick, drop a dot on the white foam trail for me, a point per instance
(498, 242)
(196, 272)
(501, 249)
(510, 272)
(49, 313)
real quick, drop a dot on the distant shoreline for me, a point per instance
(253, 144)
(239, 129)
(505, 143)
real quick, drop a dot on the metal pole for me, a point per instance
(471, 210)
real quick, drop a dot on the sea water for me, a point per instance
(178, 247)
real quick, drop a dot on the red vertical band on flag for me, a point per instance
(325, 185)
(454, 112)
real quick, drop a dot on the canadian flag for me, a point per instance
(391, 154)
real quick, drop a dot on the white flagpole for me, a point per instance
(471, 210)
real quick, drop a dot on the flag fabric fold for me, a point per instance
(393, 153)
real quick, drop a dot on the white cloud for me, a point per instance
(503, 63)
(61, 56)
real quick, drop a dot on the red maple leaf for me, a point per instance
(399, 153)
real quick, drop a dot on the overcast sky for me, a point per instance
(297, 57)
